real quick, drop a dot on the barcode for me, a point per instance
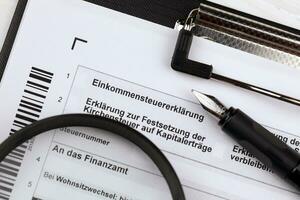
(29, 110)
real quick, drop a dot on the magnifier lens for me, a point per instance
(108, 161)
(87, 163)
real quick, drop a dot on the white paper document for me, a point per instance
(71, 56)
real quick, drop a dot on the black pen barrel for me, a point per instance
(262, 144)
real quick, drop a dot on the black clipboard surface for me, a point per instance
(165, 13)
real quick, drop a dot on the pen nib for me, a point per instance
(210, 104)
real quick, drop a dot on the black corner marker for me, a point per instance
(76, 39)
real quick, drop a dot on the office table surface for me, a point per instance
(283, 11)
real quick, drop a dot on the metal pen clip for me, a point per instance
(182, 63)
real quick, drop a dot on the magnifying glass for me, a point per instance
(101, 125)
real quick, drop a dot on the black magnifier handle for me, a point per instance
(264, 145)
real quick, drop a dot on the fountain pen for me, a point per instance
(260, 142)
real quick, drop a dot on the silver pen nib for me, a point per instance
(210, 104)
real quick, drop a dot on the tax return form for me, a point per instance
(76, 57)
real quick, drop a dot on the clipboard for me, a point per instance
(218, 23)
(166, 16)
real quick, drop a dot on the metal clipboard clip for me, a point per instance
(240, 31)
